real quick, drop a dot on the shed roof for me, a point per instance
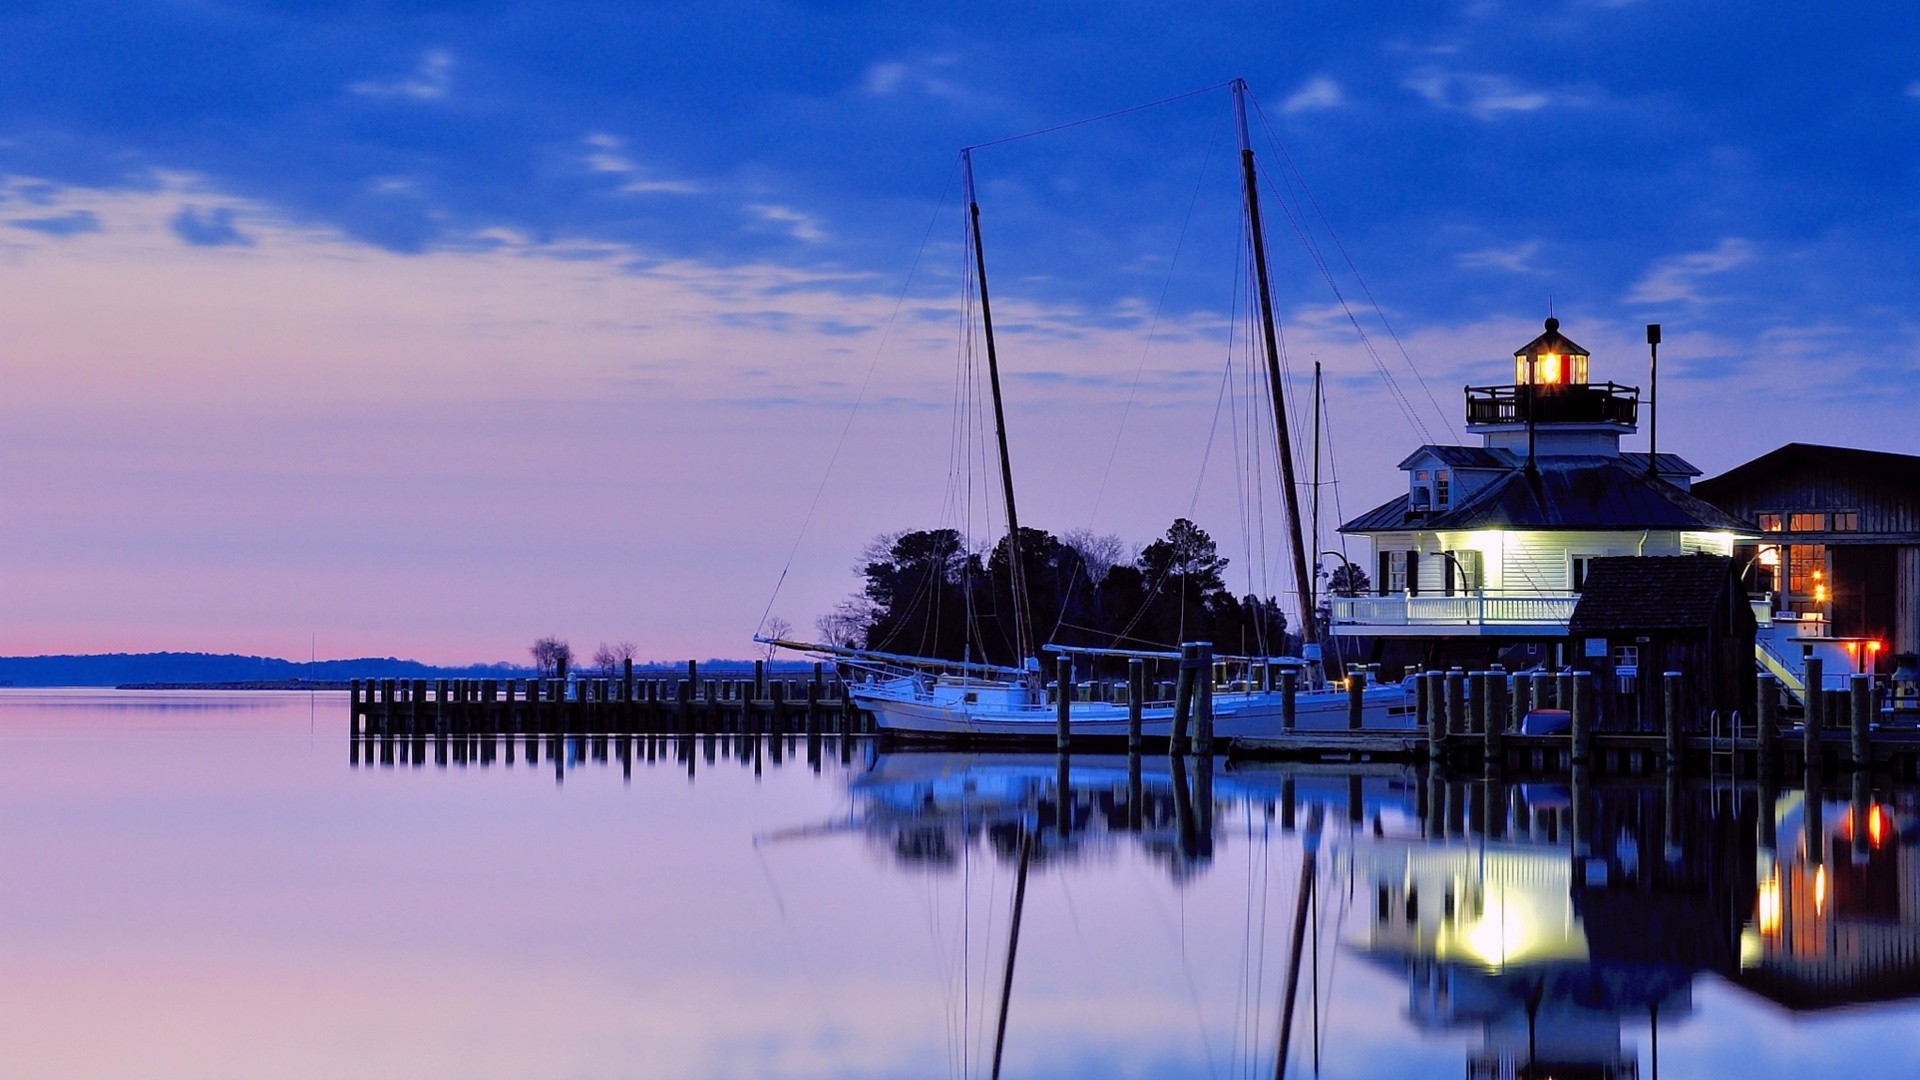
(1592, 493)
(1898, 471)
(1652, 592)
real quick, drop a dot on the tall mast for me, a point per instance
(1313, 530)
(1016, 569)
(1303, 581)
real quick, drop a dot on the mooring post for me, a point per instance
(1456, 701)
(1136, 689)
(1580, 716)
(1493, 719)
(1063, 703)
(1289, 698)
(1436, 715)
(1860, 695)
(1182, 702)
(1356, 696)
(1767, 705)
(1670, 714)
(1203, 699)
(1517, 701)
(1816, 712)
(1541, 691)
(1563, 690)
(1419, 693)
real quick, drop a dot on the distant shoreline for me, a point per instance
(258, 684)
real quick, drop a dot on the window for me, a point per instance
(1769, 522)
(1626, 656)
(1846, 521)
(1807, 522)
(1396, 571)
(1807, 571)
(1422, 474)
(1442, 488)
(1463, 571)
(1577, 572)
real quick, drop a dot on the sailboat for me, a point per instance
(921, 697)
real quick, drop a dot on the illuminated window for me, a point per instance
(1578, 571)
(1807, 522)
(1807, 571)
(1442, 488)
(1769, 522)
(1846, 521)
(1422, 474)
(1396, 571)
(1463, 571)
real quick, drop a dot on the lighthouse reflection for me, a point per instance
(1564, 924)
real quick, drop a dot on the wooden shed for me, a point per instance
(1840, 537)
(1641, 616)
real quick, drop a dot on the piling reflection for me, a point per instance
(1563, 924)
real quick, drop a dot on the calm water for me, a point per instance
(222, 885)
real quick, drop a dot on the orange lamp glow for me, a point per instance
(1820, 889)
(1876, 825)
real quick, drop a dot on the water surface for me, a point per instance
(215, 885)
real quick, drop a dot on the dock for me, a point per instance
(682, 704)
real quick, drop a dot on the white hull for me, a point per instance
(902, 708)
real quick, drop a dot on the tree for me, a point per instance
(918, 588)
(777, 627)
(550, 654)
(1098, 554)
(610, 659)
(1348, 580)
(846, 625)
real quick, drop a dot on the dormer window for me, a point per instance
(1442, 489)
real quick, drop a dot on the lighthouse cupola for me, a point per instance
(1551, 409)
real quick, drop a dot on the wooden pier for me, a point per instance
(683, 704)
(1472, 721)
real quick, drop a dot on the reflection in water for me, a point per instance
(1562, 928)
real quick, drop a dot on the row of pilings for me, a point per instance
(681, 704)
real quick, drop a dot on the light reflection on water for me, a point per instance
(226, 885)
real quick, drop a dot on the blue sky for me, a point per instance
(1744, 174)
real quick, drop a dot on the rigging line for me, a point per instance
(1097, 119)
(879, 349)
(1341, 246)
(1393, 383)
(1326, 273)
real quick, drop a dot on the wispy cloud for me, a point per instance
(925, 77)
(607, 154)
(796, 224)
(1485, 97)
(432, 80)
(72, 223)
(1514, 258)
(1678, 278)
(1319, 92)
(208, 228)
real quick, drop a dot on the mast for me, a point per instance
(1319, 398)
(1016, 569)
(1013, 945)
(1303, 581)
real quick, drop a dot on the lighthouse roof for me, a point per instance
(1598, 493)
(1551, 341)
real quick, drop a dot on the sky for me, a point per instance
(428, 329)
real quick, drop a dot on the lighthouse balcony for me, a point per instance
(1488, 613)
(1571, 403)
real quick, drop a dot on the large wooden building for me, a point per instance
(1839, 539)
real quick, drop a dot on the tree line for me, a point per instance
(926, 593)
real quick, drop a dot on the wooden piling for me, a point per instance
(1136, 690)
(1816, 709)
(1767, 732)
(1580, 716)
(1289, 698)
(1063, 701)
(1456, 696)
(1436, 715)
(1203, 699)
(1182, 703)
(1356, 697)
(1670, 715)
(1860, 695)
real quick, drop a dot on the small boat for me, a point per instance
(929, 698)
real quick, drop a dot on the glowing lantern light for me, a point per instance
(1820, 889)
(1876, 825)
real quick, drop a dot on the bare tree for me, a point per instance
(777, 627)
(1099, 553)
(846, 625)
(605, 660)
(550, 653)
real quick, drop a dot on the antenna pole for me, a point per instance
(1314, 507)
(1303, 581)
(1016, 568)
(1653, 399)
